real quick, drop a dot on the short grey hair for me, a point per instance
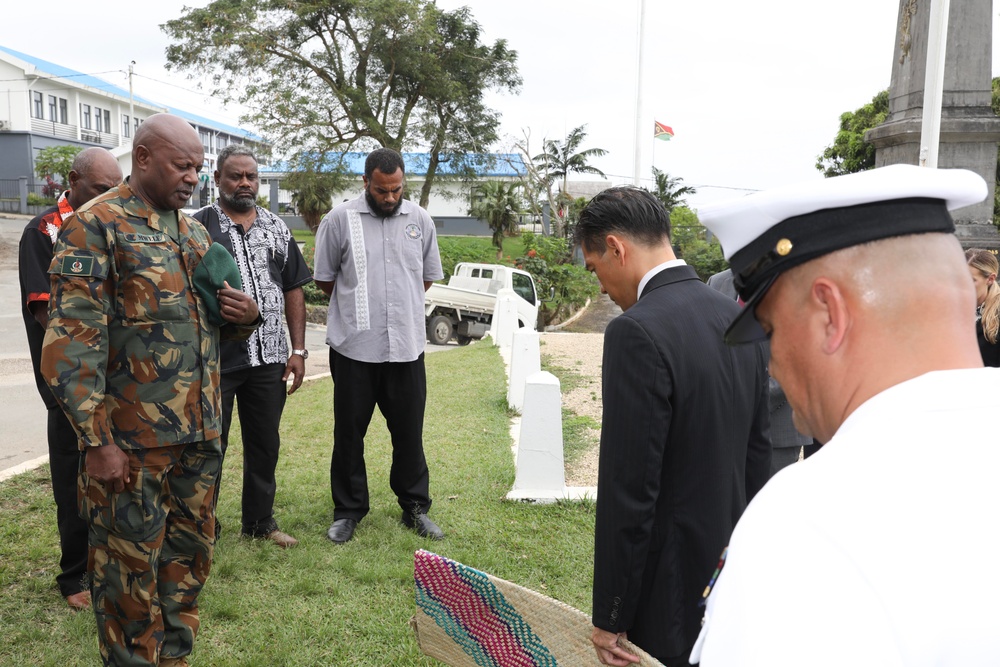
(231, 150)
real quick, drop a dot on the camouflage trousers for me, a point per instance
(151, 550)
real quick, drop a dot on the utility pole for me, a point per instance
(131, 102)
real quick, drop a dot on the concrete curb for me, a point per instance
(577, 315)
(23, 467)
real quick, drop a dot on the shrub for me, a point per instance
(454, 251)
(35, 199)
(313, 295)
(550, 261)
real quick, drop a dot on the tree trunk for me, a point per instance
(425, 189)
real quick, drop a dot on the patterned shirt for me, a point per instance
(270, 264)
(379, 266)
(129, 353)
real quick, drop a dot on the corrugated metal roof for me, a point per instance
(91, 81)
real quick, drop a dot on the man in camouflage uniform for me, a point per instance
(134, 362)
(94, 171)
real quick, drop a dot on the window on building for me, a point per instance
(98, 120)
(85, 116)
(221, 141)
(206, 141)
(52, 108)
(126, 127)
(107, 121)
(138, 122)
(38, 108)
(63, 111)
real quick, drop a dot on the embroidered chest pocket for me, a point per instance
(152, 283)
(413, 253)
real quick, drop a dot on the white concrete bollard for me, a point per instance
(505, 318)
(540, 473)
(525, 361)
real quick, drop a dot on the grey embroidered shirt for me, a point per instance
(378, 266)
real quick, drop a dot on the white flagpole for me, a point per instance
(641, 125)
(937, 46)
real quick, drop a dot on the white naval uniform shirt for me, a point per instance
(878, 550)
(379, 266)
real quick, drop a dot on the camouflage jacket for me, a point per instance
(129, 352)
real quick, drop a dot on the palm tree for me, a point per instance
(499, 205)
(670, 191)
(560, 158)
(313, 193)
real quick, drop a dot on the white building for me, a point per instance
(43, 104)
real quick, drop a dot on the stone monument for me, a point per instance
(969, 128)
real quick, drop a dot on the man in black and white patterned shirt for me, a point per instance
(255, 372)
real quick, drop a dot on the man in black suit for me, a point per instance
(684, 442)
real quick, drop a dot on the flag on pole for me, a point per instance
(662, 131)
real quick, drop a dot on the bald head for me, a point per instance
(166, 158)
(94, 172)
(857, 321)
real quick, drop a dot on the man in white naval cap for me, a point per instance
(862, 287)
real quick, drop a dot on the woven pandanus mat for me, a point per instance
(467, 618)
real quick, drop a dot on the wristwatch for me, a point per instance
(302, 353)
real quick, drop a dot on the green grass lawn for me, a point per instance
(319, 603)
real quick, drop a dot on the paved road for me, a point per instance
(22, 414)
(595, 319)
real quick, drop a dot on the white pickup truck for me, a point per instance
(464, 307)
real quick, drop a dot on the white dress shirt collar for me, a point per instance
(656, 269)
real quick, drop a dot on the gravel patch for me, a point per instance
(581, 354)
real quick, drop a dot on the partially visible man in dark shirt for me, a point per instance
(254, 371)
(94, 172)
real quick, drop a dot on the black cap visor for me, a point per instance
(745, 328)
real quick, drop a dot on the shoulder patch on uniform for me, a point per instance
(77, 266)
(146, 238)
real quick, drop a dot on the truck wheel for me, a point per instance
(464, 340)
(439, 330)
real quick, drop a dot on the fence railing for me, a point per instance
(17, 196)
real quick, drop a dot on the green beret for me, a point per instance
(217, 266)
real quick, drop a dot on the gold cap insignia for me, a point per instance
(784, 247)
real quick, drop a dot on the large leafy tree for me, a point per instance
(670, 190)
(849, 152)
(498, 203)
(558, 160)
(325, 77)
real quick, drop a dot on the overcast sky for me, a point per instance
(752, 90)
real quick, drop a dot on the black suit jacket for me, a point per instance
(684, 446)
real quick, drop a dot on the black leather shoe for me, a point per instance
(423, 526)
(342, 530)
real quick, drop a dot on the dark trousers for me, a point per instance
(400, 392)
(260, 395)
(64, 463)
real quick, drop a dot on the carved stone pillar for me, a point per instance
(969, 128)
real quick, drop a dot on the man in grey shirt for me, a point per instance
(375, 257)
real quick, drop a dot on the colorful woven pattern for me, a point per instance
(467, 618)
(466, 604)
